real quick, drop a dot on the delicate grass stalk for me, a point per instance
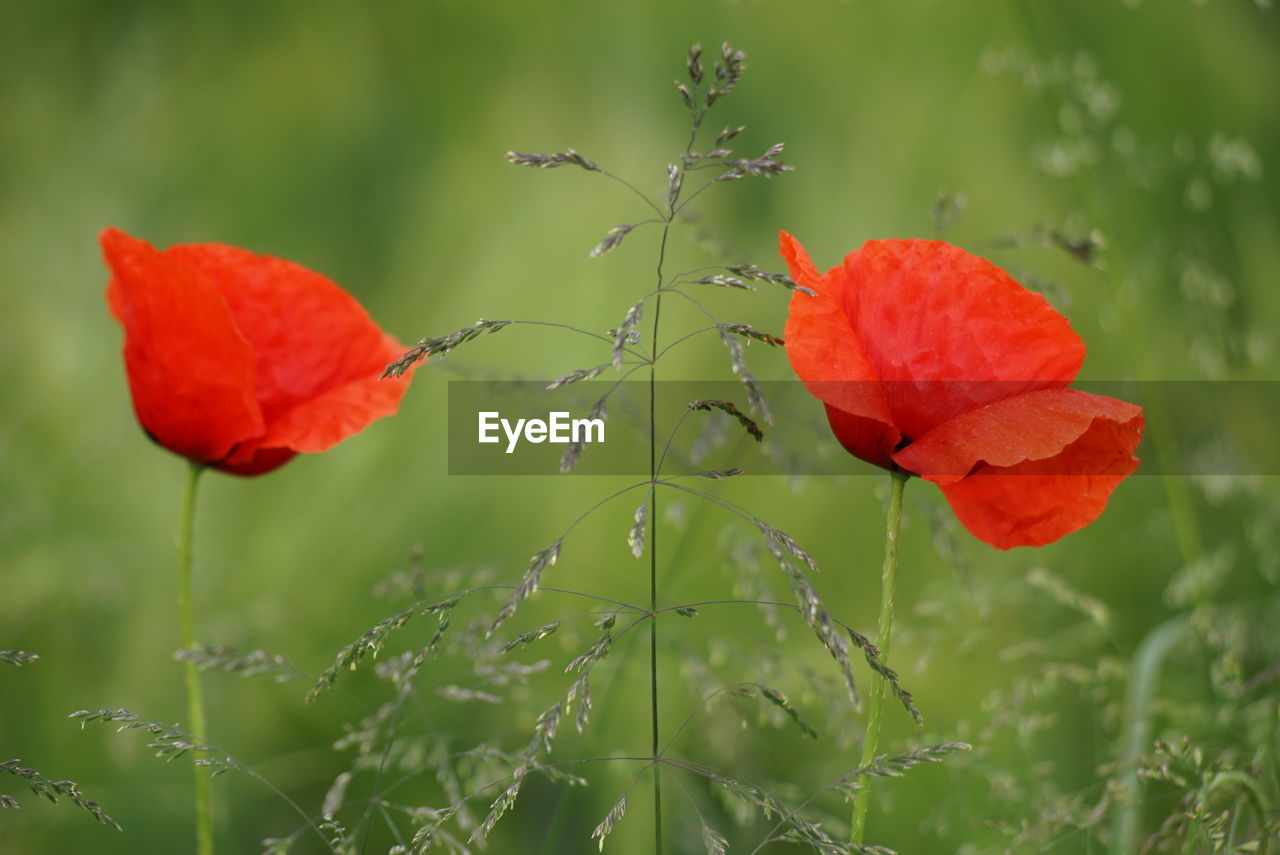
(195, 697)
(653, 556)
(884, 637)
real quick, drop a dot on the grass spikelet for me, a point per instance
(784, 548)
(227, 659)
(611, 819)
(748, 423)
(738, 361)
(635, 537)
(50, 789)
(441, 345)
(872, 653)
(540, 560)
(18, 658)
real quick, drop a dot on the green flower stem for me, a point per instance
(195, 697)
(884, 637)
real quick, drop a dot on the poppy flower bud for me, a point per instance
(240, 361)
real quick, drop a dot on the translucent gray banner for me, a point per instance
(596, 427)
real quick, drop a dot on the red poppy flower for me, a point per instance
(937, 362)
(239, 361)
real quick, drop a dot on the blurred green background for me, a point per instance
(366, 141)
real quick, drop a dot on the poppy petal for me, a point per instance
(311, 337)
(945, 324)
(1036, 426)
(322, 422)
(866, 439)
(191, 374)
(827, 356)
(1038, 501)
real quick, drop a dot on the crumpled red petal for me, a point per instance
(320, 423)
(1038, 501)
(191, 373)
(319, 353)
(828, 358)
(951, 331)
(1036, 426)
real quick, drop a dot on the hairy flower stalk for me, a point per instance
(191, 674)
(884, 637)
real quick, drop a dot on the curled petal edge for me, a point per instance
(1032, 427)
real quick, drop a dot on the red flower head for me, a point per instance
(239, 361)
(936, 362)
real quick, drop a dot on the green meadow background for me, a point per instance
(366, 141)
